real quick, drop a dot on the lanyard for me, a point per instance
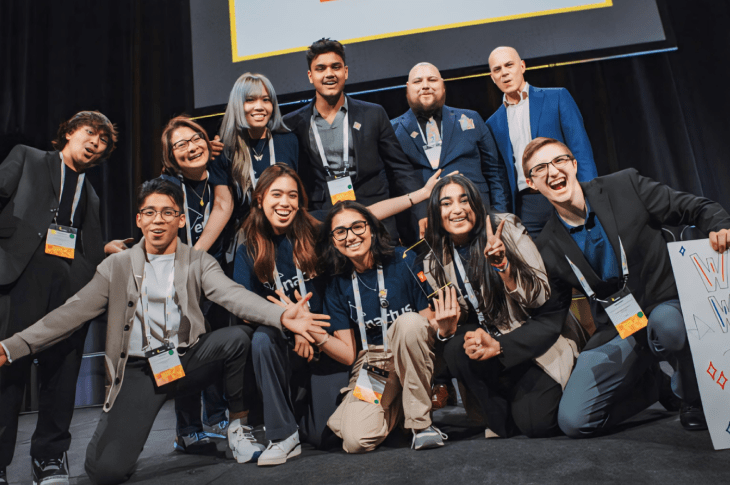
(77, 194)
(206, 213)
(584, 283)
(345, 144)
(383, 311)
(300, 279)
(168, 306)
(272, 160)
(469, 290)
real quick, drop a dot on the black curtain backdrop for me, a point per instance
(664, 114)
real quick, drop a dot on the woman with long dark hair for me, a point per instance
(376, 305)
(279, 259)
(515, 367)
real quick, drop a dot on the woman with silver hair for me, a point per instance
(254, 137)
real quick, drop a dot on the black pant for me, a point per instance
(122, 432)
(523, 399)
(45, 284)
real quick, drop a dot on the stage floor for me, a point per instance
(651, 448)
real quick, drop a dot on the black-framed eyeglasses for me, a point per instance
(183, 144)
(541, 169)
(167, 214)
(357, 228)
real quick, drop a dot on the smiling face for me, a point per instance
(280, 203)
(160, 234)
(355, 247)
(192, 159)
(257, 109)
(560, 185)
(457, 216)
(84, 148)
(425, 89)
(507, 70)
(328, 74)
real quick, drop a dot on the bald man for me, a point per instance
(526, 113)
(434, 136)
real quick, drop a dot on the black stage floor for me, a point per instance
(651, 448)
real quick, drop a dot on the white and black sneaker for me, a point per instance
(50, 471)
(195, 444)
(3, 476)
(430, 437)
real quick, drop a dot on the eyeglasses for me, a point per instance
(357, 228)
(183, 144)
(541, 169)
(168, 215)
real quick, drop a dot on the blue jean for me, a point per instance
(617, 380)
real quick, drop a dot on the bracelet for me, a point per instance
(409, 198)
(320, 344)
(443, 339)
(502, 267)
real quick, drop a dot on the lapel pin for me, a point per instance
(414, 134)
(356, 125)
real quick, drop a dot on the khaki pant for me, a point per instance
(410, 361)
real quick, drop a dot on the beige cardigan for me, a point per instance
(116, 289)
(559, 359)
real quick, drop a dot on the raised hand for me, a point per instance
(494, 252)
(303, 348)
(300, 320)
(446, 311)
(216, 147)
(720, 240)
(479, 345)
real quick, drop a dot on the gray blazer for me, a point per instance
(116, 288)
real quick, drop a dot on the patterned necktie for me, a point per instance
(433, 138)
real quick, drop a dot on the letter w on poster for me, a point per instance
(703, 277)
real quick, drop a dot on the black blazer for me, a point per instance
(30, 181)
(634, 208)
(383, 170)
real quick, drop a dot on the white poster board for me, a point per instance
(703, 282)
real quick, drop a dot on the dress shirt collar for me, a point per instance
(525, 95)
(343, 108)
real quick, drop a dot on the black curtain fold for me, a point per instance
(664, 114)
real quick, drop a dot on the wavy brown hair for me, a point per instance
(258, 233)
(94, 119)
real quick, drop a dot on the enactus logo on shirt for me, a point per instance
(392, 316)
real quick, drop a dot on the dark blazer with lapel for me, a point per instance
(634, 208)
(383, 170)
(553, 114)
(30, 181)
(471, 151)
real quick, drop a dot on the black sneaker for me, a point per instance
(3, 476)
(50, 471)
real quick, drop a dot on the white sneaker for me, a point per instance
(242, 442)
(278, 452)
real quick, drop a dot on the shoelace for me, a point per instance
(444, 436)
(51, 463)
(244, 432)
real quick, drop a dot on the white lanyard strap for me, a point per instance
(206, 212)
(469, 290)
(272, 160)
(383, 311)
(168, 306)
(586, 287)
(300, 279)
(345, 144)
(77, 194)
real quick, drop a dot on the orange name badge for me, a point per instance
(61, 241)
(165, 364)
(340, 189)
(625, 313)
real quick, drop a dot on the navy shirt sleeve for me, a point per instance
(243, 273)
(336, 306)
(219, 170)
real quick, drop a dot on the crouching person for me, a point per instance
(373, 289)
(156, 344)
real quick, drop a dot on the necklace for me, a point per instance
(366, 286)
(258, 156)
(202, 204)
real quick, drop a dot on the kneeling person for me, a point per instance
(152, 294)
(373, 287)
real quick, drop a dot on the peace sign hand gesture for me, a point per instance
(495, 252)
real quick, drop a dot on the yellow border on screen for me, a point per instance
(237, 58)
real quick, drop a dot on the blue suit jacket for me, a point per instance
(553, 114)
(472, 152)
